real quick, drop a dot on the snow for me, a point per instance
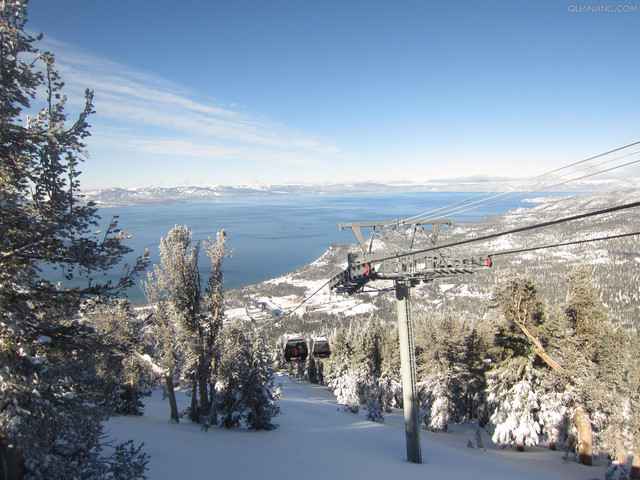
(315, 439)
(446, 286)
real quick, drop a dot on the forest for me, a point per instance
(544, 351)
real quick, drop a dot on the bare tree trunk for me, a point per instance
(621, 453)
(11, 464)
(635, 464)
(585, 436)
(203, 381)
(193, 414)
(172, 398)
(212, 418)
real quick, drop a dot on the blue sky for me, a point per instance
(234, 92)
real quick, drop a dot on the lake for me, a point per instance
(273, 235)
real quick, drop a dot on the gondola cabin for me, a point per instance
(320, 347)
(295, 348)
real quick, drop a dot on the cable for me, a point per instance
(479, 204)
(381, 292)
(555, 245)
(516, 230)
(521, 182)
(521, 229)
(552, 186)
(327, 280)
(304, 301)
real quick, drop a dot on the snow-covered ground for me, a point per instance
(317, 440)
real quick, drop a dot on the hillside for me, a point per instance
(316, 440)
(615, 265)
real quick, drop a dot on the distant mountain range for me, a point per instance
(111, 197)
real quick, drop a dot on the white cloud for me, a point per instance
(141, 113)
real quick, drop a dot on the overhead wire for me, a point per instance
(449, 209)
(305, 300)
(565, 244)
(462, 208)
(516, 230)
(521, 194)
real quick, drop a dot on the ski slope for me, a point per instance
(316, 440)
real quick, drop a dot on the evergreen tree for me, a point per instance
(50, 426)
(519, 302)
(212, 323)
(513, 393)
(258, 397)
(188, 321)
(451, 370)
(245, 381)
(440, 404)
(120, 369)
(553, 415)
(164, 343)
(343, 379)
(375, 411)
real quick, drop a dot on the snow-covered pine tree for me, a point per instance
(369, 359)
(211, 323)
(451, 369)
(164, 343)
(187, 321)
(375, 411)
(595, 368)
(50, 426)
(553, 416)
(513, 383)
(232, 368)
(514, 396)
(440, 408)
(244, 381)
(258, 397)
(122, 372)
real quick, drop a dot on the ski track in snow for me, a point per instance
(316, 440)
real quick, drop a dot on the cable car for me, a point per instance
(320, 347)
(295, 347)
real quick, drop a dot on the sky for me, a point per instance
(245, 92)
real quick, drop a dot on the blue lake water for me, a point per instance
(273, 235)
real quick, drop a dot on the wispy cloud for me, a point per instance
(141, 113)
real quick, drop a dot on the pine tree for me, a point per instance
(513, 393)
(50, 426)
(188, 321)
(259, 399)
(341, 378)
(519, 302)
(211, 324)
(553, 416)
(451, 370)
(245, 381)
(440, 405)
(120, 368)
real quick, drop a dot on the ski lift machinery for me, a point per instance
(406, 263)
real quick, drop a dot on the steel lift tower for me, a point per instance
(406, 261)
